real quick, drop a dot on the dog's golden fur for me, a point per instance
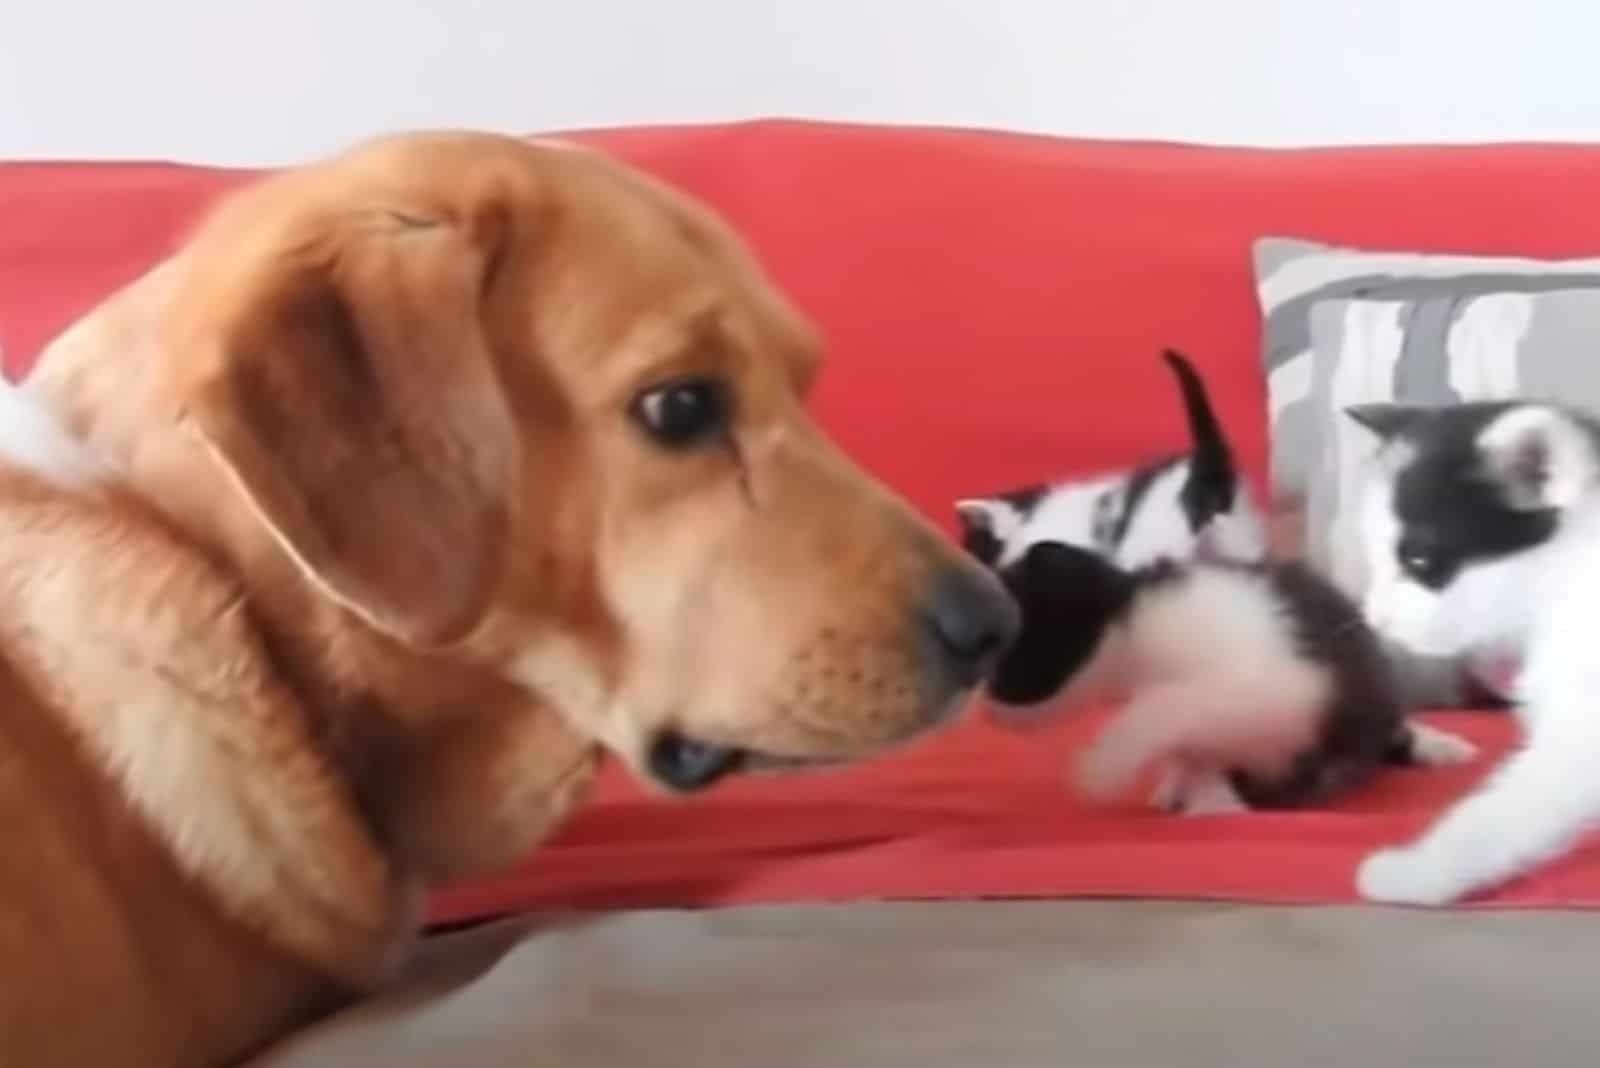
(383, 562)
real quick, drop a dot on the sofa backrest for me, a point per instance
(994, 303)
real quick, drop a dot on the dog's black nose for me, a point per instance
(685, 764)
(974, 621)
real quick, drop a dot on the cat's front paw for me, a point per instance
(1404, 877)
(1211, 794)
(1435, 748)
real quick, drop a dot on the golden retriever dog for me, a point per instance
(338, 548)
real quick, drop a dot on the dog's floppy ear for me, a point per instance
(354, 402)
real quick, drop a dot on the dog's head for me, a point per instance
(517, 406)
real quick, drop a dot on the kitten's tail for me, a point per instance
(1212, 477)
(1210, 443)
(1206, 725)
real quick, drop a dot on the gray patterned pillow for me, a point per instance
(1345, 327)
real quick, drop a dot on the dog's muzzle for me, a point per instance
(972, 621)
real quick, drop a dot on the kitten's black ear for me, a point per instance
(1070, 598)
(1387, 421)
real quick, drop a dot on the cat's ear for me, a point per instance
(1387, 421)
(987, 523)
(987, 515)
(1540, 458)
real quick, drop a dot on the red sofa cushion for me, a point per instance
(994, 304)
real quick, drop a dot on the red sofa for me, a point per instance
(994, 305)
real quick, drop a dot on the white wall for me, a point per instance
(278, 80)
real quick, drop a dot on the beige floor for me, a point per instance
(991, 985)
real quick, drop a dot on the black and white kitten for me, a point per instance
(1247, 685)
(1484, 531)
(1177, 507)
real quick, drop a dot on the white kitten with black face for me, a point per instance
(1491, 516)
(1177, 508)
(1479, 630)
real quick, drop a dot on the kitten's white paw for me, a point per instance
(1435, 748)
(1404, 877)
(1211, 794)
(1168, 793)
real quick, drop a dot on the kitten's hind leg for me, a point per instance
(1539, 802)
(1209, 793)
(1417, 744)
(1209, 722)
(1188, 790)
(1171, 787)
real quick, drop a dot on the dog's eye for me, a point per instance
(684, 413)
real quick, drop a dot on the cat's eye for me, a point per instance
(1424, 564)
(685, 412)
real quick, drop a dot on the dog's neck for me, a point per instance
(104, 379)
(385, 711)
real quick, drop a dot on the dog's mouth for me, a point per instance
(689, 764)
